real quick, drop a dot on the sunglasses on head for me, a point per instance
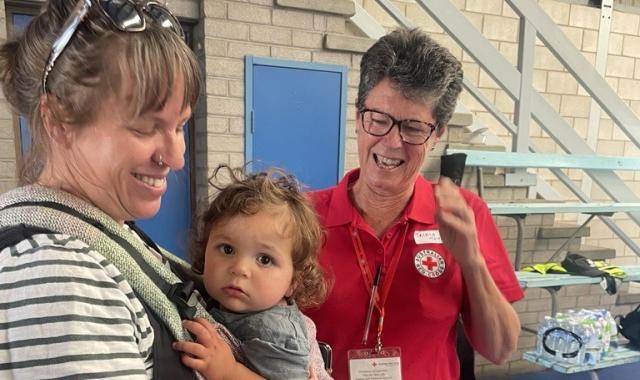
(124, 15)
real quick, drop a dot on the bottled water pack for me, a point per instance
(576, 337)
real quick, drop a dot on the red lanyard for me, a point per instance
(388, 275)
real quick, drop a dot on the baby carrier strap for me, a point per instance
(150, 279)
(166, 361)
(12, 235)
(180, 293)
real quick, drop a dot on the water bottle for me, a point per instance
(593, 345)
(563, 342)
(579, 330)
(543, 326)
(575, 345)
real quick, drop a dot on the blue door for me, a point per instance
(171, 225)
(18, 21)
(296, 118)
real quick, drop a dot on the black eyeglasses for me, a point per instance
(124, 15)
(413, 132)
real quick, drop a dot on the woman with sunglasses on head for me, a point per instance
(107, 87)
(409, 257)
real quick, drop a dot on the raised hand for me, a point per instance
(456, 223)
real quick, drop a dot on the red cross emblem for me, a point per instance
(429, 263)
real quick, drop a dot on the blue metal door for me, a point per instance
(171, 225)
(295, 118)
(18, 22)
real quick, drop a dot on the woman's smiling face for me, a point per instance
(389, 166)
(113, 162)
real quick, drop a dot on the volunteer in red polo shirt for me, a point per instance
(428, 253)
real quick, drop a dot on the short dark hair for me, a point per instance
(248, 194)
(420, 68)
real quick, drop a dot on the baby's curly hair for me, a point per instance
(250, 193)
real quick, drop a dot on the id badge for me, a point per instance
(366, 364)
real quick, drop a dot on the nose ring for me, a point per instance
(160, 162)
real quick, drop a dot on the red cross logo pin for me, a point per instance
(429, 263)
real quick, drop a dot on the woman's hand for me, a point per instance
(456, 222)
(208, 354)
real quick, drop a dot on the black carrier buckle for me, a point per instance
(185, 297)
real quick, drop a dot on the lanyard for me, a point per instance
(388, 275)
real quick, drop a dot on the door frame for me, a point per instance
(251, 61)
(24, 7)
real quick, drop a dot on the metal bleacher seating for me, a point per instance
(519, 210)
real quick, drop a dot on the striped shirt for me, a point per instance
(65, 311)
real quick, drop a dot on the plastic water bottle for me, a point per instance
(579, 330)
(543, 326)
(574, 344)
(593, 346)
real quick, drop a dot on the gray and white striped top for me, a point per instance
(65, 311)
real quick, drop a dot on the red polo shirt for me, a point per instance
(420, 310)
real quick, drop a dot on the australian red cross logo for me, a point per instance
(429, 263)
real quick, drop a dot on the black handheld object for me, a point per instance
(452, 166)
(327, 356)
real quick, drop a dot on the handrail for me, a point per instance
(561, 207)
(583, 71)
(538, 160)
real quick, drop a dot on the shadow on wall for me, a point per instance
(622, 372)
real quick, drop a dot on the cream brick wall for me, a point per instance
(234, 29)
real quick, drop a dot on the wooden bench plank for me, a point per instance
(561, 207)
(540, 160)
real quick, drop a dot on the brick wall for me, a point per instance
(291, 30)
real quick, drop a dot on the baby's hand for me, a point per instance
(208, 354)
(312, 373)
